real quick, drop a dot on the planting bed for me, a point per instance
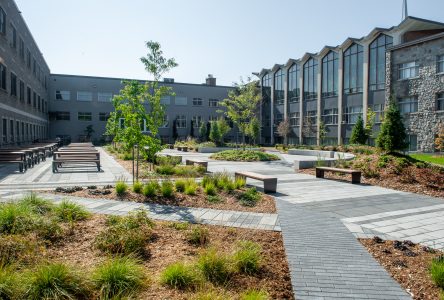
(409, 264)
(244, 155)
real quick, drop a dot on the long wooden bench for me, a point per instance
(356, 175)
(14, 157)
(191, 162)
(270, 182)
(75, 157)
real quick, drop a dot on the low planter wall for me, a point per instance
(220, 149)
(328, 157)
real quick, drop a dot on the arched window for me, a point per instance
(293, 83)
(330, 75)
(377, 61)
(266, 87)
(353, 69)
(310, 79)
(279, 95)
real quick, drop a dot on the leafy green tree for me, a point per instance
(192, 128)
(359, 134)
(215, 133)
(254, 129)
(139, 105)
(223, 127)
(322, 132)
(242, 105)
(203, 131)
(392, 136)
(371, 117)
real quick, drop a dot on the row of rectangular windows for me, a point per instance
(30, 64)
(20, 131)
(17, 90)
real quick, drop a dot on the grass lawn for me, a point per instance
(431, 158)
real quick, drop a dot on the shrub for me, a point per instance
(37, 204)
(118, 277)
(68, 211)
(48, 229)
(254, 295)
(17, 248)
(206, 180)
(121, 187)
(250, 197)
(55, 281)
(8, 283)
(191, 187)
(127, 156)
(244, 155)
(16, 218)
(240, 183)
(213, 199)
(150, 189)
(179, 276)
(198, 236)
(210, 189)
(180, 185)
(165, 169)
(437, 271)
(168, 160)
(247, 257)
(179, 225)
(137, 187)
(167, 188)
(214, 266)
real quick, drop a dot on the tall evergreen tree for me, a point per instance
(359, 134)
(214, 132)
(203, 131)
(392, 136)
(192, 129)
(175, 134)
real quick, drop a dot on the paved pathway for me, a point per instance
(228, 218)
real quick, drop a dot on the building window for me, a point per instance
(84, 116)
(310, 79)
(84, 96)
(352, 114)
(63, 95)
(353, 69)
(22, 49)
(440, 101)
(104, 97)
(408, 70)
(181, 121)
(13, 37)
(212, 118)
(408, 105)
(62, 116)
(311, 118)
(294, 119)
(197, 121)
(38, 102)
(5, 130)
(165, 122)
(11, 130)
(34, 65)
(412, 141)
(22, 91)
(13, 84)
(2, 77)
(330, 116)
(266, 88)
(440, 64)
(377, 61)
(181, 101)
(378, 109)
(330, 75)
(279, 79)
(165, 100)
(28, 94)
(213, 102)
(34, 99)
(28, 58)
(2, 21)
(197, 102)
(278, 119)
(293, 83)
(103, 116)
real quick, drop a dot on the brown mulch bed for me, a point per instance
(169, 245)
(410, 270)
(229, 200)
(387, 181)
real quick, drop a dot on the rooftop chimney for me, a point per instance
(405, 13)
(211, 80)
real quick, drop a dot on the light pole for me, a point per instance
(137, 162)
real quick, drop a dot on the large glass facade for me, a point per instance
(293, 83)
(266, 88)
(279, 94)
(310, 79)
(353, 69)
(330, 75)
(377, 61)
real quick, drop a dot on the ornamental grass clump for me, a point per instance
(150, 188)
(210, 189)
(121, 187)
(119, 278)
(167, 188)
(8, 283)
(18, 249)
(137, 187)
(36, 204)
(55, 281)
(240, 183)
(254, 295)
(191, 187)
(247, 257)
(437, 271)
(180, 185)
(180, 276)
(198, 236)
(250, 197)
(68, 211)
(214, 266)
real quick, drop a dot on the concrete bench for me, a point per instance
(192, 162)
(14, 157)
(356, 175)
(270, 182)
(178, 157)
(182, 148)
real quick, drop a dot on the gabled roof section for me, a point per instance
(292, 61)
(276, 67)
(413, 23)
(375, 32)
(262, 72)
(307, 56)
(327, 49)
(348, 42)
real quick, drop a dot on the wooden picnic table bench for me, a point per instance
(31, 155)
(75, 157)
(356, 175)
(270, 182)
(14, 157)
(190, 162)
(182, 148)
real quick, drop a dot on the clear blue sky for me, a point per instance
(226, 38)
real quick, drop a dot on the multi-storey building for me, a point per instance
(24, 77)
(329, 90)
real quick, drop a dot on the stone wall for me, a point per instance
(423, 123)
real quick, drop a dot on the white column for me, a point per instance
(340, 92)
(301, 102)
(365, 87)
(318, 102)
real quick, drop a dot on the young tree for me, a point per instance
(223, 127)
(283, 130)
(215, 133)
(439, 141)
(254, 129)
(242, 105)
(192, 129)
(203, 131)
(89, 131)
(308, 129)
(359, 134)
(392, 136)
(322, 132)
(371, 117)
(207, 137)
(175, 134)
